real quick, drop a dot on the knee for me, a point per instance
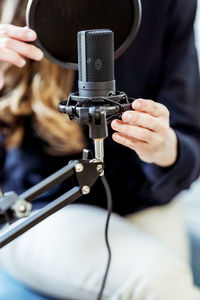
(168, 278)
(163, 278)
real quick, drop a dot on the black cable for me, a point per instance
(109, 207)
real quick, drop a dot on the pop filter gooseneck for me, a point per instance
(57, 23)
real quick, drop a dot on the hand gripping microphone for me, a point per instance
(96, 103)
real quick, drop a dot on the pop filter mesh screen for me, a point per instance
(57, 23)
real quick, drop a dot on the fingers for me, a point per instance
(147, 131)
(19, 33)
(14, 46)
(9, 56)
(132, 131)
(151, 107)
(125, 141)
(24, 49)
(131, 143)
(144, 120)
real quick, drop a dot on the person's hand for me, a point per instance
(14, 47)
(146, 130)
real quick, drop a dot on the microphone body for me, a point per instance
(96, 103)
(96, 63)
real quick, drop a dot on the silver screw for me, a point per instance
(85, 190)
(22, 208)
(79, 168)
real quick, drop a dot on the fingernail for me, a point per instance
(113, 123)
(127, 117)
(22, 63)
(115, 136)
(39, 55)
(31, 34)
(136, 105)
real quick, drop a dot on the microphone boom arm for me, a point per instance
(85, 173)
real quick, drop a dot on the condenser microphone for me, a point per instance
(97, 102)
(96, 63)
(96, 72)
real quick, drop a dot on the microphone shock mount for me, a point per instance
(96, 112)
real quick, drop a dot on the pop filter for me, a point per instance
(57, 23)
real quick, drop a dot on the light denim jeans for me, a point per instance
(65, 256)
(11, 289)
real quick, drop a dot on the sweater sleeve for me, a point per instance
(180, 92)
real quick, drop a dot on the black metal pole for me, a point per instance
(43, 213)
(49, 182)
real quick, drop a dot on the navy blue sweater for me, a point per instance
(161, 65)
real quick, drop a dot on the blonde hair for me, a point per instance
(34, 92)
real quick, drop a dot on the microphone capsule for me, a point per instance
(96, 62)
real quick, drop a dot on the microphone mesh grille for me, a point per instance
(81, 56)
(100, 51)
(96, 56)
